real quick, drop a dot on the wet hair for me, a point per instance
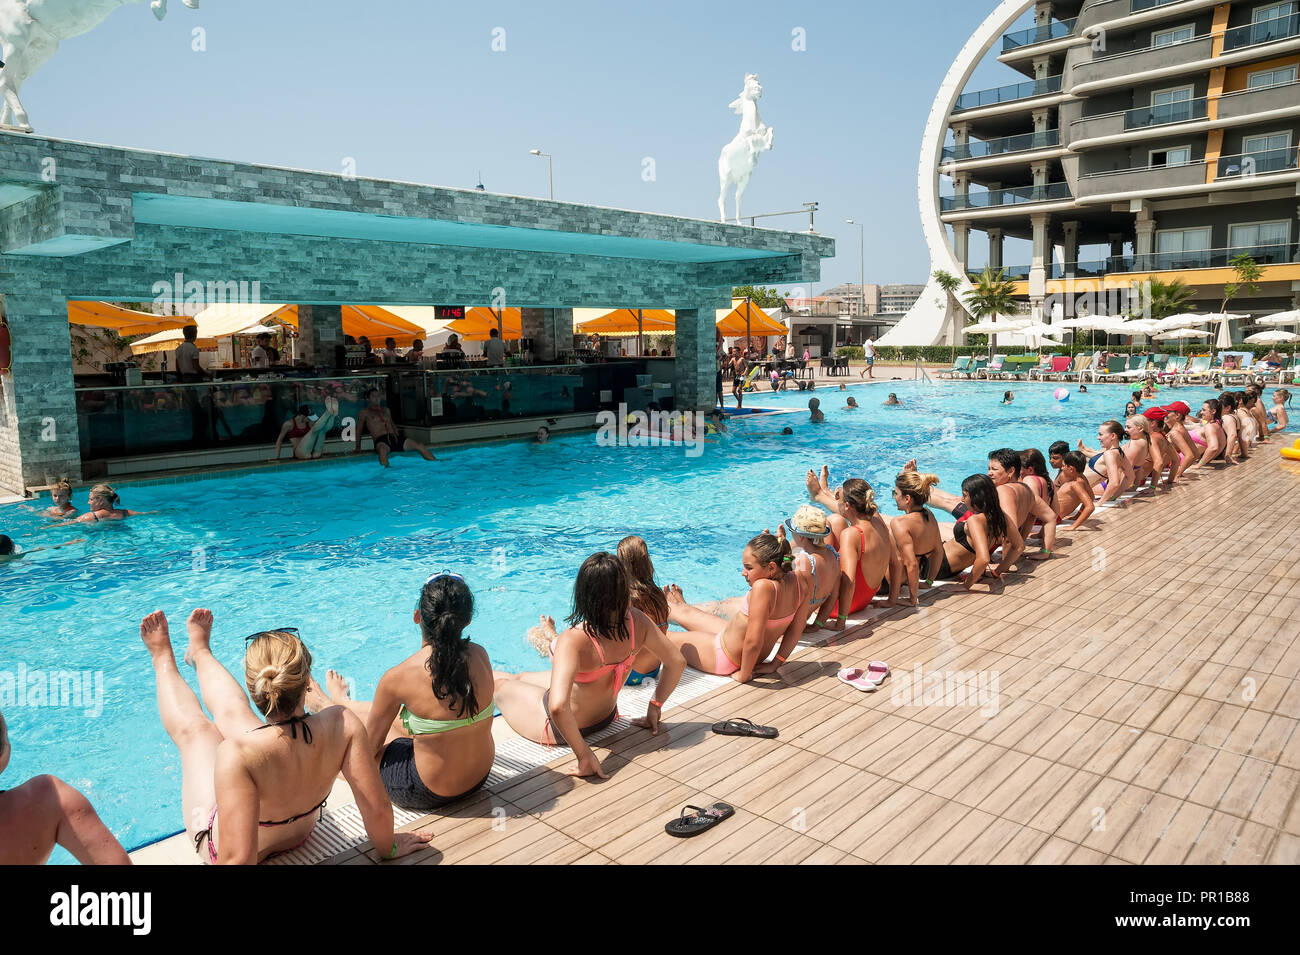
(787, 431)
(814, 403)
(1286, 395)
(1130, 409)
(858, 494)
(1057, 447)
(6, 545)
(1216, 409)
(1076, 460)
(103, 491)
(770, 549)
(646, 595)
(983, 496)
(1007, 396)
(63, 486)
(916, 486)
(1115, 428)
(1008, 458)
(446, 608)
(601, 597)
(277, 668)
(1137, 396)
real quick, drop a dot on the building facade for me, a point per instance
(1145, 139)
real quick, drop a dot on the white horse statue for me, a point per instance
(740, 156)
(30, 32)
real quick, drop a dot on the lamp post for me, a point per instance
(862, 263)
(550, 171)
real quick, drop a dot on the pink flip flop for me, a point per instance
(868, 680)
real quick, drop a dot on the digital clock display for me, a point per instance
(448, 312)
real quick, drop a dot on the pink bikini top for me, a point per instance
(620, 669)
(782, 621)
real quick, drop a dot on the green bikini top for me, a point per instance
(419, 726)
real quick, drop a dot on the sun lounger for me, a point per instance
(976, 367)
(992, 369)
(959, 367)
(1116, 365)
(1198, 370)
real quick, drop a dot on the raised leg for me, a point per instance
(410, 444)
(225, 698)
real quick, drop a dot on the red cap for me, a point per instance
(1179, 406)
(1155, 414)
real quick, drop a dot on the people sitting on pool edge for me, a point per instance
(430, 722)
(917, 539)
(233, 771)
(377, 421)
(307, 437)
(590, 663)
(865, 546)
(44, 812)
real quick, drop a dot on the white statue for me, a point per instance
(740, 156)
(30, 32)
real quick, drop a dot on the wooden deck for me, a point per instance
(1146, 711)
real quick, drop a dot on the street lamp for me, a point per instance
(862, 263)
(550, 171)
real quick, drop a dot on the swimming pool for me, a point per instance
(340, 550)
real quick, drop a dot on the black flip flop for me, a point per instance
(744, 727)
(685, 826)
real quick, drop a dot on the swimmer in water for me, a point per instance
(893, 402)
(1007, 397)
(852, 404)
(9, 550)
(1083, 389)
(543, 435)
(61, 502)
(815, 412)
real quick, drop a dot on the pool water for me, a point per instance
(340, 550)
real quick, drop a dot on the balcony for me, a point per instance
(1140, 179)
(1020, 195)
(1253, 34)
(1259, 163)
(1056, 30)
(1245, 103)
(1119, 68)
(1211, 258)
(1008, 94)
(1184, 111)
(1139, 5)
(1025, 142)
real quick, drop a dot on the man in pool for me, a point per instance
(378, 422)
(892, 401)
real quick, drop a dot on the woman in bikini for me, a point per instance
(919, 544)
(1138, 449)
(1249, 426)
(430, 723)
(305, 436)
(1164, 457)
(1109, 466)
(590, 663)
(647, 596)
(281, 770)
(817, 565)
(866, 547)
(44, 812)
(102, 506)
(773, 611)
(1235, 448)
(1210, 433)
(1185, 450)
(1253, 401)
(982, 528)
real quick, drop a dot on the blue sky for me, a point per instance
(412, 90)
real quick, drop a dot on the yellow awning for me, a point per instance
(479, 321)
(746, 318)
(124, 321)
(624, 321)
(215, 322)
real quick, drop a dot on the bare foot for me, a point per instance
(825, 481)
(540, 636)
(910, 465)
(338, 687)
(674, 595)
(156, 636)
(316, 699)
(199, 627)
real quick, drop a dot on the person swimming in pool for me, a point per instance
(102, 506)
(815, 415)
(851, 404)
(590, 664)
(43, 812)
(543, 435)
(9, 550)
(60, 502)
(307, 437)
(1008, 397)
(430, 722)
(892, 401)
(377, 421)
(230, 768)
(1083, 389)
(773, 612)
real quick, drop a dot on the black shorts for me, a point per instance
(395, 441)
(403, 783)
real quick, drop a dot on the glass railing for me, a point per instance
(1180, 112)
(162, 418)
(1266, 31)
(1154, 262)
(1008, 94)
(1056, 30)
(1019, 195)
(1245, 165)
(1022, 142)
(1139, 5)
(1010, 273)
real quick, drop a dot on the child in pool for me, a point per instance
(815, 412)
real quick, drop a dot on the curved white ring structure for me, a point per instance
(927, 322)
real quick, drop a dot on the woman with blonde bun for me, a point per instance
(916, 536)
(270, 780)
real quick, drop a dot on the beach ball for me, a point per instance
(1062, 394)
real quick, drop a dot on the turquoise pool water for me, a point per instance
(340, 550)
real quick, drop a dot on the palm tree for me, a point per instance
(949, 283)
(1169, 298)
(992, 296)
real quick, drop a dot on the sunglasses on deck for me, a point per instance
(261, 633)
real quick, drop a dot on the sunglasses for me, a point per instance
(261, 633)
(445, 573)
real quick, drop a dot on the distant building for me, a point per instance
(896, 299)
(854, 303)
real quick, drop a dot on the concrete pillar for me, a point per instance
(961, 244)
(696, 365)
(1144, 243)
(1040, 172)
(1041, 118)
(551, 330)
(1042, 67)
(961, 188)
(1070, 250)
(1040, 263)
(320, 329)
(39, 432)
(995, 249)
